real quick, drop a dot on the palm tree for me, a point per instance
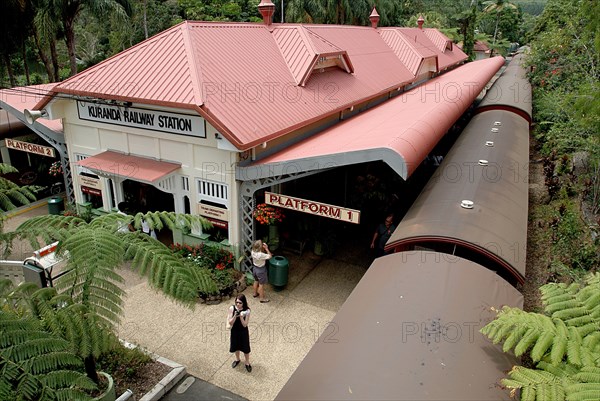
(67, 11)
(497, 6)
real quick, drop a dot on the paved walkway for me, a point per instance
(281, 331)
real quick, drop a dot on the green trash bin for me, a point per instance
(55, 205)
(278, 272)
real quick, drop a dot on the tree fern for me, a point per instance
(171, 273)
(565, 341)
(89, 300)
(35, 363)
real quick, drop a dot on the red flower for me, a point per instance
(268, 215)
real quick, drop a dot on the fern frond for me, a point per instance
(589, 374)
(550, 392)
(528, 394)
(513, 339)
(574, 347)
(592, 341)
(527, 341)
(583, 392)
(527, 376)
(542, 345)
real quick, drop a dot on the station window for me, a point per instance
(213, 200)
(214, 192)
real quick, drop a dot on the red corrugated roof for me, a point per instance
(236, 76)
(401, 131)
(243, 78)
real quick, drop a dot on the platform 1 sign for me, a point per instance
(312, 207)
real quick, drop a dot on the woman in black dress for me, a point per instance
(238, 317)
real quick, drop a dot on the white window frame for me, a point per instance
(212, 191)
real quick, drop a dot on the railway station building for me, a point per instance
(214, 118)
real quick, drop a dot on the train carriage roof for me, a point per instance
(494, 226)
(410, 331)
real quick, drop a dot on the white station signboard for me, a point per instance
(174, 123)
(312, 207)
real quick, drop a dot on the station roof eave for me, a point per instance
(115, 164)
(16, 100)
(400, 132)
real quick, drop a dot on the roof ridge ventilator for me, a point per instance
(466, 204)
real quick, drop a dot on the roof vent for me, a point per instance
(489, 143)
(482, 162)
(466, 204)
(497, 123)
(374, 18)
(420, 22)
(494, 129)
(267, 9)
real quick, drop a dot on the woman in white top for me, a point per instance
(260, 254)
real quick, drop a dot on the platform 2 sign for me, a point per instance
(29, 147)
(312, 207)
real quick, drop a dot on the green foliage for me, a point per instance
(86, 303)
(565, 77)
(213, 260)
(35, 362)
(564, 341)
(12, 195)
(123, 362)
(94, 251)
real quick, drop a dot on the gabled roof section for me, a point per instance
(441, 41)
(161, 70)
(430, 40)
(410, 53)
(305, 51)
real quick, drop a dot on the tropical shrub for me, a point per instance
(563, 342)
(217, 261)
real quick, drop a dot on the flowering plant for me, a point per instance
(267, 215)
(55, 169)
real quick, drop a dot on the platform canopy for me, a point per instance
(143, 169)
(400, 132)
